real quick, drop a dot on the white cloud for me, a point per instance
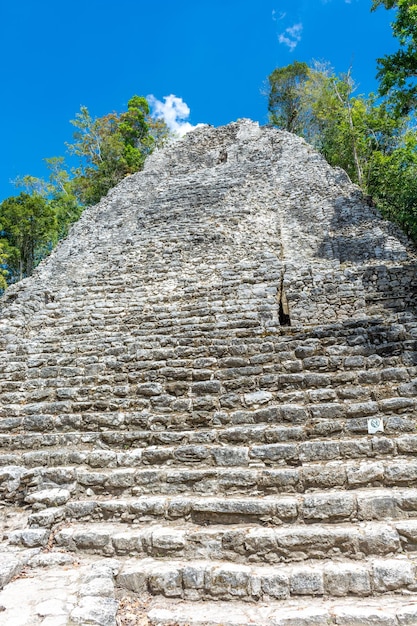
(291, 36)
(174, 111)
(278, 16)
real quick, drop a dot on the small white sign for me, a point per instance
(375, 425)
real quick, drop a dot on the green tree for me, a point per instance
(28, 227)
(108, 149)
(112, 146)
(336, 118)
(353, 128)
(367, 138)
(58, 191)
(398, 71)
(393, 183)
(344, 127)
(134, 129)
(3, 265)
(286, 96)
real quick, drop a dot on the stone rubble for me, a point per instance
(208, 401)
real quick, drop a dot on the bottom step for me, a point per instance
(211, 580)
(383, 611)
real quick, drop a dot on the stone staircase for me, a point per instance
(167, 406)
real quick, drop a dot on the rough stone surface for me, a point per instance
(191, 383)
(42, 597)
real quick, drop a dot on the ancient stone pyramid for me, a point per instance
(208, 393)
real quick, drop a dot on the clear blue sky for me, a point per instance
(213, 54)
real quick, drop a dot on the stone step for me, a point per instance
(211, 580)
(66, 372)
(84, 377)
(237, 543)
(99, 360)
(213, 409)
(273, 355)
(115, 319)
(16, 446)
(322, 348)
(391, 610)
(74, 316)
(240, 446)
(160, 318)
(122, 405)
(73, 447)
(12, 563)
(384, 339)
(339, 355)
(224, 357)
(53, 506)
(125, 426)
(57, 589)
(200, 479)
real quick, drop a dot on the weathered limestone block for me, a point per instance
(390, 576)
(274, 452)
(401, 473)
(257, 397)
(328, 507)
(166, 580)
(327, 476)
(168, 541)
(228, 456)
(29, 538)
(379, 541)
(306, 581)
(228, 581)
(48, 498)
(10, 566)
(149, 389)
(272, 584)
(365, 474)
(377, 506)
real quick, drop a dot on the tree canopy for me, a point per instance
(365, 136)
(28, 228)
(107, 148)
(286, 88)
(111, 147)
(398, 71)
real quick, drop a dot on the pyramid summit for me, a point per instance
(208, 398)
(232, 207)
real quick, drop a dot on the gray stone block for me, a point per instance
(344, 579)
(306, 582)
(328, 507)
(393, 575)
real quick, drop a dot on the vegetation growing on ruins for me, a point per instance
(111, 147)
